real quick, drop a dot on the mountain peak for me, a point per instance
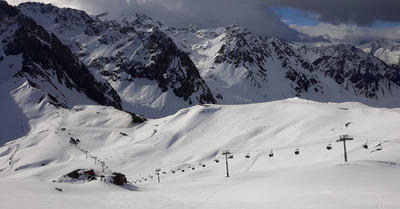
(230, 64)
(48, 64)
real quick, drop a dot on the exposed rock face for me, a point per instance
(47, 63)
(126, 50)
(156, 66)
(169, 66)
(357, 71)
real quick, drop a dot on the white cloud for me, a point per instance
(350, 33)
(254, 15)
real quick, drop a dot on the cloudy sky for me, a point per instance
(338, 20)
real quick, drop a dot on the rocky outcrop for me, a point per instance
(47, 63)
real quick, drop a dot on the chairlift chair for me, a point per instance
(329, 146)
(247, 155)
(230, 156)
(365, 146)
(297, 151)
(271, 154)
(216, 160)
(203, 165)
(379, 147)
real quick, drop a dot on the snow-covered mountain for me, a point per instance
(241, 67)
(62, 142)
(387, 51)
(31, 56)
(356, 71)
(157, 69)
(142, 63)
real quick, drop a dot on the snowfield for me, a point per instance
(185, 146)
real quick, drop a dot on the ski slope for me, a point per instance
(32, 166)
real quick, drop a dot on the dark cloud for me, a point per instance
(255, 15)
(252, 14)
(359, 12)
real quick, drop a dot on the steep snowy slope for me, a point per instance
(193, 137)
(143, 64)
(30, 53)
(241, 67)
(35, 68)
(158, 69)
(357, 72)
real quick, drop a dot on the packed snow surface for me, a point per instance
(185, 147)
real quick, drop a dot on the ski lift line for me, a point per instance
(248, 152)
(283, 147)
(322, 141)
(375, 138)
(268, 150)
(177, 166)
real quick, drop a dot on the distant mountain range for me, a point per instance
(153, 69)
